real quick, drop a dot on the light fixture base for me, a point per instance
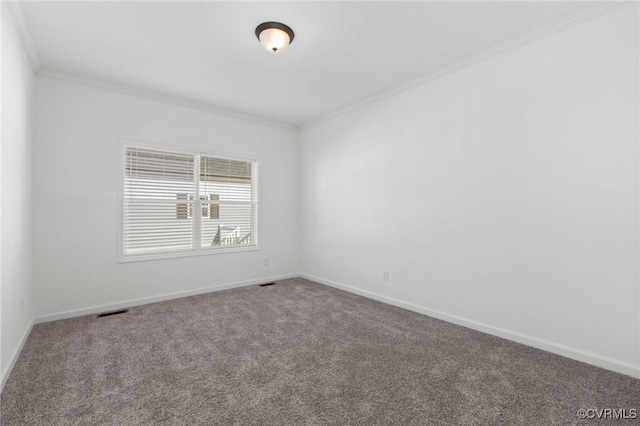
(274, 36)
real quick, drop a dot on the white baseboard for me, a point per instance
(14, 356)
(573, 353)
(127, 304)
(154, 299)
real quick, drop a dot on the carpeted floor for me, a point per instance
(295, 353)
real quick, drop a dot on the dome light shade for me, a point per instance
(274, 36)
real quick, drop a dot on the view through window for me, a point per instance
(176, 202)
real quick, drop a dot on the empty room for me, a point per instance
(320, 213)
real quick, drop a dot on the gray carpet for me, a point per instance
(294, 353)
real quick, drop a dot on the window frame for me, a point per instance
(196, 249)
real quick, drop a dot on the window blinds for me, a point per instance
(156, 186)
(177, 202)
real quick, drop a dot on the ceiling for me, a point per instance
(207, 52)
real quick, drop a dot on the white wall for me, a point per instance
(503, 196)
(76, 197)
(15, 264)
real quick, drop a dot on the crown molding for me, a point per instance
(159, 97)
(15, 11)
(601, 8)
(17, 15)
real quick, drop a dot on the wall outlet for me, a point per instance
(385, 275)
(266, 261)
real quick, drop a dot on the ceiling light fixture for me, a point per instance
(274, 36)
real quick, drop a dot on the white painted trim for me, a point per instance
(17, 14)
(127, 304)
(600, 9)
(566, 351)
(155, 299)
(573, 353)
(14, 356)
(159, 97)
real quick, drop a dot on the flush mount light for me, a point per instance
(274, 36)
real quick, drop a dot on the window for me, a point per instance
(181, 203)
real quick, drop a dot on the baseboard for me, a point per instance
(126, 304)
(154, 299)
(14, 355)
(573, 353)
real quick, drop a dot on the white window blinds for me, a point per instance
(186, 202)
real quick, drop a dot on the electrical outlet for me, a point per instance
(266, 261)
(385, 275)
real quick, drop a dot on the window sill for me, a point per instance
(190, 253)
